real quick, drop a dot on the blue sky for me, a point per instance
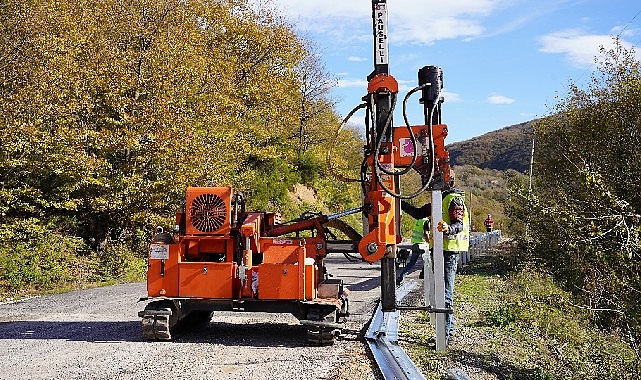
(504, 61)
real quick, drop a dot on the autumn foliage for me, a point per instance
(110, 109)
(581, 220)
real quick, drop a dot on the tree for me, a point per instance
(110, 109)
(584, 221)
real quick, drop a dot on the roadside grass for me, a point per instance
(42, 269)
(517, 325)
(36, 258)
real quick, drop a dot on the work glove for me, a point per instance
(442, 226)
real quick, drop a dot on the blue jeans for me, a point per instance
(451, 265)
(416, 252)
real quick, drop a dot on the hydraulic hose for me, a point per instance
(377, 167)
(409, 129)
(340, 177)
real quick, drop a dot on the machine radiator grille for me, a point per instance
(208, 212)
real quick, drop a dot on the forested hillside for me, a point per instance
(506, 148)
(486, 165)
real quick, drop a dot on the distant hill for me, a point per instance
(507, 148)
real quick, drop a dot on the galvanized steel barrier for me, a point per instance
(382, 335)
(478, 244)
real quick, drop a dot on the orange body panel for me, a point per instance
(310, 282)
(167, 285)
(189, 279)
(404, 150)
(206, 280)
(283, 251)
(283, 273)
(278, 281)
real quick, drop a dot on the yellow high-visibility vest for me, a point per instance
(461, 241)
(418, 231)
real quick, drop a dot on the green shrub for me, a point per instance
(117, 263)
(501, 316)
(35, 258)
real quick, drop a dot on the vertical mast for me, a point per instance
(381, 45)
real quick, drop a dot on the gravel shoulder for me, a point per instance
(96, 334)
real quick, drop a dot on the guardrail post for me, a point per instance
(428, 285)
(439, 270)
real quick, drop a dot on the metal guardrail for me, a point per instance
(478, 244)
(382, 335)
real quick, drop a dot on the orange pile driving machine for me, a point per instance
(222, 257)
(228, 259)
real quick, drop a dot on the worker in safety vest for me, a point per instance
(455, 227)
(420, 239)
(456, 240)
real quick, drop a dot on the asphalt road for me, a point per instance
(96, 334)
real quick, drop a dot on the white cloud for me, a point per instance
(357, 59)
(344, 83)
(499, 99)
(525, 12)
(624, 31)
(427, 33)
(451, 97)
(579, 47)
(410, 21)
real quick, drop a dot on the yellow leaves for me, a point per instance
(127, 101)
